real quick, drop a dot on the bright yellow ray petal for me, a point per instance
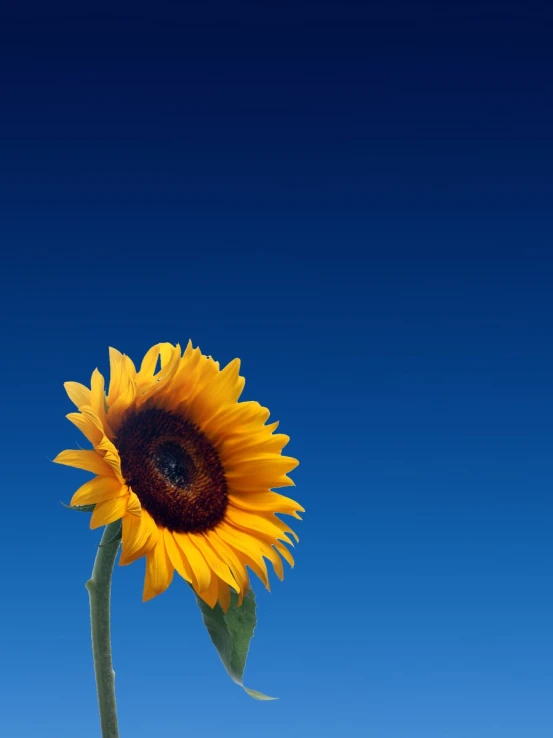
(133, 505)
(284, 552)
(170, 357)
(199, 566)
(271, 549)
(261, 472)
(213, 559)
(231, 384)
(87, 427)
(97, 490)
(111, 456)
(273, 463)
(194, 373)
(229, 556)
(224, 389)
(139, 536)
(84, 459)
(185, 384)
(235, 449)
(248, 483)
(269, 525)
(253, 547)
(166, 353)
(148, 366)
(159, 571)
(98, 400)
(261, 436)
(257, 564)
(285, 529)
(258, 568)
(241, 540)
(108, 511)
(177, 558)
(276, 561)
(188, 350)
(78, 393)
(274, 544)
(209, 595)
(238, 420)
(126, 391)
(267, 502)
(115, 367)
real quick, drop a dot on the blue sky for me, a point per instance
(356, 201)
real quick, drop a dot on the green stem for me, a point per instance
(99, 590)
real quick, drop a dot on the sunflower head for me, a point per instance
(187, 467)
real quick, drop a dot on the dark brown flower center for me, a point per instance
(173, 469)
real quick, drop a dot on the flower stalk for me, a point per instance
(99, 591)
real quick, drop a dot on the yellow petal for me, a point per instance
(111, 456)
(148, 365)
(159, 571)
(78, 393)
(258, 568)
(269, 546)
(115, 367)
(239, 419)
(266, 502)
(283, 551)
(87, 427)
(250, 549)
(230, 382)
(177, 558)
(209, 595)
(223, 389)
(284, 528)
(98, 490)
(166, 353)
(241, 540)
(259, 542)
(199, 566)
(106, 512)
(133, 505)
(139, 536)
(88, 460)
(170, 357)
(98, 400)
(269, 525)
(261, 473)
(126, 391)
(235, 449)
(228, 555)
(188, 350)
(213, 559)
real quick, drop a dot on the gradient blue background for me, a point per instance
(355, 200)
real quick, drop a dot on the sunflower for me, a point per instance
(187, 468)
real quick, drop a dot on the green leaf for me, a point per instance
(80, 508)
(231, 633)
